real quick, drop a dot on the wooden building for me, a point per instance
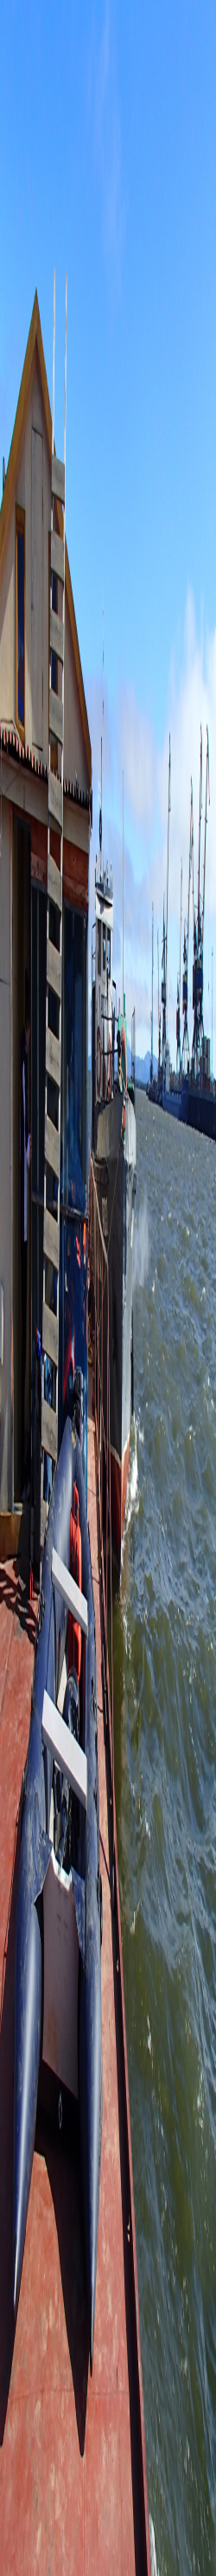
(25, 520)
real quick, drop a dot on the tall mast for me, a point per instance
(169, 812)
(180, 937)
(190, 864)
(200, 811)
(194, 895)
(178, 1012)
(207, 794)
(152, 977)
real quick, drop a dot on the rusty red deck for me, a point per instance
(73, 2489)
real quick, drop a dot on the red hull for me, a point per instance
(73, 2487)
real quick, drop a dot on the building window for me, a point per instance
(104, 948)
(20, 622)
(54, 663)
(99, 950)
(108, 953)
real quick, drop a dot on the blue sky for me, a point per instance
(108, 167)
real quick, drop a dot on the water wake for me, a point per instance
(141, 1247)
(132, 1484)
(152, 2547)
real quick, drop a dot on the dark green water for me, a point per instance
(165, 1750)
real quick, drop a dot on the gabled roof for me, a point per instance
(35, 344)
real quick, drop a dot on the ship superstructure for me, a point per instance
(103, 1012)
(114, 1149)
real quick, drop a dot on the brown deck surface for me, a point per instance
(70, 2493)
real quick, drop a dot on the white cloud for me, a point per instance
(192, 704)
(136, 757)
(130, 744)
(94, 701)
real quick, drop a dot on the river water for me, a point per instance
(164, 1635)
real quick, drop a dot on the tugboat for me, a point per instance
(114, 1152)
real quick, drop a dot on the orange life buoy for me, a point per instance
(109, 1073)
(98, 1063)
(123, 1054)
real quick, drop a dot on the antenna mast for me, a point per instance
(185, 1048)
(169, 812)
(152, 977)
(178, 1012)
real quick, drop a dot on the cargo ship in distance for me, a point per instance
(114, 1152)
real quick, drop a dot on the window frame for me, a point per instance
(20, 530)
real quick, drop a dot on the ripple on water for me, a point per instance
(164, 1695)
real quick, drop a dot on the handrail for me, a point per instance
(96, 1235)
(99, 1271)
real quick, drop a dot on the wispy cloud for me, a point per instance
(107, 140)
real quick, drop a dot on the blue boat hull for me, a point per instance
(34, 1862)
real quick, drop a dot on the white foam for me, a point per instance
(132, 1484)
(152, 2547)
(134, 1472)
(136, 1912)
(141, 1247)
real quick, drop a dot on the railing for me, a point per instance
(99, 1287)
(99, 1282)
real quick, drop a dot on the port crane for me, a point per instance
(185, 1048)
(164, 947)
(178, 1010)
